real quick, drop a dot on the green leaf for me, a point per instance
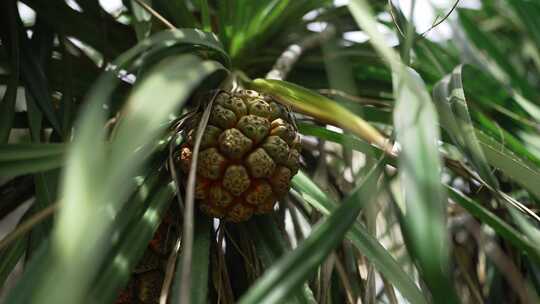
(94, 185)
(247, 25)
(495, 109)
(10, 152)
(271, 246)
(174, 79)
(114, 38)
(486, 43)
(254, 22)
(424, 223)
(142, 19)
(523, 172)
(200, 262)
(453, 107)
(45, 183)
(453, 110)
(292, 270)
(419, 165)
(361, 239)
(487, 95)
(528, 12)
(167, 40)
(9, 257)
(34, 76)
(67, 105)
(205, 12)
(503, 229)
(7, 109)
(46, 189)
(505, 138)
(480, 148)
(15, 192)
(18, 159)
(7, 106)
(133, 141)
(36, 266)
(35, 165)
(177, 12)
(144, 200)
(324, 109)
(130, 249)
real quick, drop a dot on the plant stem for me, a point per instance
(290, 56)
(28, 225)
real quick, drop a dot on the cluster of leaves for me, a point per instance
(87, 118)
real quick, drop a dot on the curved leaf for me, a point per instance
(97, 180)
(324, 109)
(7, 104)
(292, 270)
(424, 223)
(132, 246)
(367, 244)
(30, 151)
(419, 165)
(452, 106)
(502, 228)
(17, 159)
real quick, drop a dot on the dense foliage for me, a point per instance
(420, 162)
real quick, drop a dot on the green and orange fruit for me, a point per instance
(249, 152)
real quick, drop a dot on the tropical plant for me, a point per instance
(420, 160)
